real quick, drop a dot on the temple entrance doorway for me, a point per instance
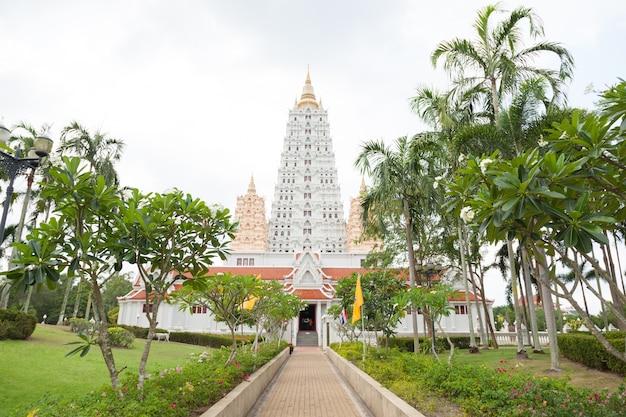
(307, 319)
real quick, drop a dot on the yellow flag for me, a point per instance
(358, 301)
(249, 303)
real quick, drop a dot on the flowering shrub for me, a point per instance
(481, 391)
(200, 381)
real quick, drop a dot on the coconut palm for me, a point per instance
(401, 187)
(496, 62)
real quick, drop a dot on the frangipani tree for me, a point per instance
(436, 300)
(554, 203)
(169, 237)
(80, 237)
(224, 296)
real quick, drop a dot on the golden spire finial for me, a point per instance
(308, 94)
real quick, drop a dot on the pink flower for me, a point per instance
(172, 405)
(179, 369)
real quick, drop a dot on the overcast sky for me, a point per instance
(200, 90)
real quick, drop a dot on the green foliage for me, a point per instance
(481, 391)
(587, 349)
(205, 339)
(80, 325)
(121, 337)
(113, 314)
(87, 340)
(405, 344)
(16, 324)
(139, 332)
(200, 381)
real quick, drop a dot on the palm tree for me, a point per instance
(26, 144)
(400, 184)
(100, 151)
(494, 64)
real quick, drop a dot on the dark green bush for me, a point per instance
(121, 337)
(205, 339)
(585, 348)
(405, 344)
(139, 332)
(17, 325)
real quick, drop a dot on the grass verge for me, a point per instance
(33, 368)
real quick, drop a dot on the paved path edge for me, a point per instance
(379, 400)
(239, 401)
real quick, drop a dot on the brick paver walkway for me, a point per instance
(308, 385)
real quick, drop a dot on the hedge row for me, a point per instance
(586, 349)
(200, 339)
(15, 324)
(405, 344)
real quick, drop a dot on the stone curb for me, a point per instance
(379, 400)
(239, 401)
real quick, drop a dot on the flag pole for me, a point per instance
(363, 331)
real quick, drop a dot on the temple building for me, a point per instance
(306, 244)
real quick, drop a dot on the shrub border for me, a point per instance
(379, 400)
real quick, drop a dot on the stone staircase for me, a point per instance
(307, 338)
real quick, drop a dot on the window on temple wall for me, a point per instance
(245, 261)
(251, 262)
(239, 261)
(460, 309)
(150, 306)
(198, 309)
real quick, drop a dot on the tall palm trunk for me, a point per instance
(411, 254)
(548, 306)
(483, 334)
(521, 353)
(468, 303)
(66, 296)
(619, 262)
(483, 299)
(531, 304)
(610, 267)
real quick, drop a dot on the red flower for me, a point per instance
(172, 405)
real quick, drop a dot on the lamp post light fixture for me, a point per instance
(15, 164)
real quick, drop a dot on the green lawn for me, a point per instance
(31, 368)
(539, 364)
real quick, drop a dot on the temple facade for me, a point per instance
(306, 244)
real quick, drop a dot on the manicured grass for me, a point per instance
(538, 364)
(31, 368)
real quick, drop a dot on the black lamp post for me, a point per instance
(15, 164)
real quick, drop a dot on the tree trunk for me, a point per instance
(27, 302)
(66, 296)
(531, 302)
(610, 267)
(521, 353)
(103, 336)
(468, 303)
(77, 302)
(483, 335)
(152, 320)
(483, 299)
(411, 254)
(548, 307)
